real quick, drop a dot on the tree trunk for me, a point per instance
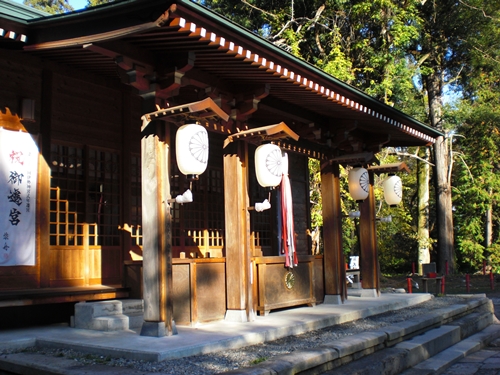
(444, 210)
(488, 225)
(444, 213)
(423, 212)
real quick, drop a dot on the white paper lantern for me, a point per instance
(191, 145)
(359, 183)
(393, 190)
(268, 165)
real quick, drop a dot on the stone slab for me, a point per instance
(434, 341)
(357, 343)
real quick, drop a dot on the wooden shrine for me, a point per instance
(105, 91)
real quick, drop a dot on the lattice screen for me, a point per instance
(88, 185)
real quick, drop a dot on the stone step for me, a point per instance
(112, 315)
(390, 350)
(455, 353)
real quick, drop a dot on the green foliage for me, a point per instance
(50, 6)
(477, 187)
(315, 193)
(60, 6)
(93, 3)
(258, 360)
(397, 240)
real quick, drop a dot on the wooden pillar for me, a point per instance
(157, 233)
(46, 115)
(237, 230)
(333, 257)
(368, 244)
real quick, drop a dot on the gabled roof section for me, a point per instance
(185, 46)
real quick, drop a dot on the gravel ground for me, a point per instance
(232, 359)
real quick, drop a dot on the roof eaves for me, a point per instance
(19, 12)
(245, 33)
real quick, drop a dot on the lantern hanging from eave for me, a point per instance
(393, 190)
(191, 145)
(358, 182)
(268, 165)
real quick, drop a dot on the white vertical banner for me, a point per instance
(18, 182)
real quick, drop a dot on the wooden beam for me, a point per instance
(111, 35)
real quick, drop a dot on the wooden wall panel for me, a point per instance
(181, 286)
(21, 78)
(67, 267)
(20, 277)
(85, 112)
(210, 291)
(319, 280)
(112, 262)
(94, 266)
(272, 290)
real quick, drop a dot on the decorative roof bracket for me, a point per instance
(264, 133)
(205, 108)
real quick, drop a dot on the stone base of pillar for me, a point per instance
(157, 329)
(333, 299)
(236, 316)
(371, 293)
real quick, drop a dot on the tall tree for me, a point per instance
(478, 183)
(448, 34)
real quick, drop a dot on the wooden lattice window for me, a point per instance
(65, 230)
(87, 182)
(198, 227)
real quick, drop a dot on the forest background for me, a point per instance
(436, 60)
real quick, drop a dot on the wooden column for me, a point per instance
(157, 233)
(237, 218)
(333, 257)
(46, 115)
(368, 244)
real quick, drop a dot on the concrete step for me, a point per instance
(453, 354)
(390, 350)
